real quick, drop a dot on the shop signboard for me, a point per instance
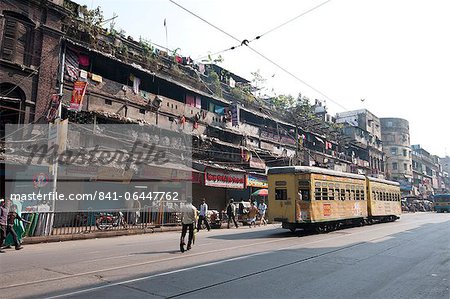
(258, 181)
(224, 179)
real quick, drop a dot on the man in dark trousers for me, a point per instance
(231, 213)
(4, 210)
(202, 217)
(188, 219)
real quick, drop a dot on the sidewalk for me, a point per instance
(98, 234)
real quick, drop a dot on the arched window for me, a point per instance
(17, 41)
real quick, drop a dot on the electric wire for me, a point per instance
(245, 42)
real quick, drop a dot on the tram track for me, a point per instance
(214, 263)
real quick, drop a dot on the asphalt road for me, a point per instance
(409, 258)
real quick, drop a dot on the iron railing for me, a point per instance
(79, 222)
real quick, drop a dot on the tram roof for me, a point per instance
(372, 179)
(309, 169)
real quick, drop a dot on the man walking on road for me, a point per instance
(203, 216)
(188, 217)
(231, 213)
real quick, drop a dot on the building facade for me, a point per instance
(397, 150)
(363, 135)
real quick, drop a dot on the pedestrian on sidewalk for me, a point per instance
(4, 210)
(203, 217)
(12, 216)
(231, 213)
(188, 218)
(251, 216)
(262, 213)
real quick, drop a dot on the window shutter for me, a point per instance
(9, 40)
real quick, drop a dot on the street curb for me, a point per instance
(98, 234)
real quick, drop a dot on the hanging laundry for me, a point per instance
(232, 82)
(178, 59)
(198, 102)
(190, 100)
(83, 60)
(201, 68)
(136, 83)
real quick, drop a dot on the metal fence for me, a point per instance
(79, 222)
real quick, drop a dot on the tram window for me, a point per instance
(336, 194)
(324, 193)
(357, 195)
(330, 194)
(352, 194)
(280, 194)
(342, 195)
(347, 194)
(317, 194)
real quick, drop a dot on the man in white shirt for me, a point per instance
(188, 218)
(203, 216)
(262, 212)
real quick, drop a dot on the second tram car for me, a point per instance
(324, 200)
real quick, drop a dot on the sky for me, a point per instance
(393, 54)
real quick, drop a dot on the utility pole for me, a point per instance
(62, 57)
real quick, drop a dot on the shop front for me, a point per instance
(217, 186)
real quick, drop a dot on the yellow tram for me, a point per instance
(324, 200)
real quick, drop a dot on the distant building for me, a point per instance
(427, 173)
(363, 132)
(397, 150)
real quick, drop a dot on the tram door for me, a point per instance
(302, 201)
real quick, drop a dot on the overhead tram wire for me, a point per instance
(246, 42)
(265, 33)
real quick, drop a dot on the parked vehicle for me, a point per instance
(108, 220)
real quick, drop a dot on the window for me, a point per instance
(317, 194)
(394, 166)
(280, 194)
(358, 195)
(405, 152)
(342, 194)
(108, 102)
(405, 166)
(324, 193)
(393, 151)
(142, 111)
(17, 45)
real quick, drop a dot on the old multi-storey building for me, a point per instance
(428, 177)
(397, 150)
(30, 33)
(363, 132)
